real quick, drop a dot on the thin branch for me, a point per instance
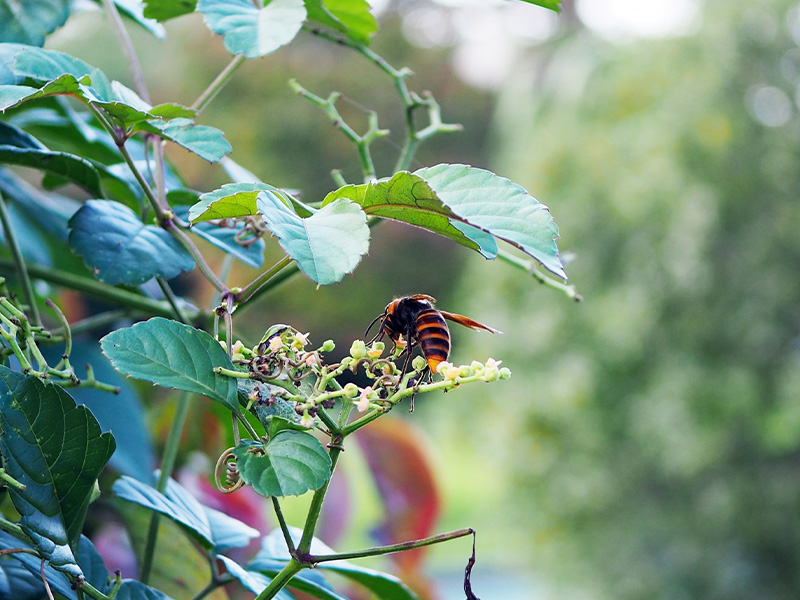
(212, 90)
(19, 263)
(127, 47)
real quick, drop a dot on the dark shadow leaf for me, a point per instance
(56, 449)
(119, 248)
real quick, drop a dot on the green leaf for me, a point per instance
(327, 245)
(500, 207)
(29, 22)
(14, 95)
(290, 464)
(119, 248)
(163, 10)
(46, 65)
(56, 449)
(351, 17)
(172, 355)
(136, 590)
(408, 198)
(232, 200)
(133, 9)
(19, 148)
(207, 142)
(551, 4)
(219, 533)
(250, 30)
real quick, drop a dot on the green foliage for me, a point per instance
(56, 450)
(119, 248)
(122, 233)
(174, 355)
(290, 464)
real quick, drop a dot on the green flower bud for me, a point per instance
(418, 363)
(351, 390)
(464, 371)
(358, 349)
(491, 374)
(328, 346)
(476, 366)
(505, 373)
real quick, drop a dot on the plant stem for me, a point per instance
(167, 465)
(211, 91)
(95, 288)
(402, 546)
(287, 536)
(283, 270)
(531, 267)
(315, 508)
(172, 299)
(127, 47)
(292, 568)
(19, 263)
(192, 249)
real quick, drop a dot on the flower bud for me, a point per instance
(476, 366)
(464, 371)
(328, 346)
(351, 390)
(358, 349)
(307, 420)
(491, 374)
(418, 363)
(505, 373)
(376, 350)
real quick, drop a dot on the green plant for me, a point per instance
(139, 226)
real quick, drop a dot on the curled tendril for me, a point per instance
(233, 480)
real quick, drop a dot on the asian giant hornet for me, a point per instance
(419, 323)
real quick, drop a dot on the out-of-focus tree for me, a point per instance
(656, 452)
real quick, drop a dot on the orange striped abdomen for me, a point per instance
(433, 337)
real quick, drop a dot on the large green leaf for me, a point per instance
(56, 449)
(327, 245)
(250, 30)
(173, 355)
(119, 248)
(351, 17)
(500, 207)
(409, 199)
(163, 10)
(207, 142)
(29, 22)
(213, 529)
(19, 148)
(290, 464)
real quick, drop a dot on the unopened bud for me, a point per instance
(328, 346)
(358, 349)
(418, 363)
(351, 390)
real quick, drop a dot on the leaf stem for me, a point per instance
(167, 465)
(287, 536)
(532, 268)
(127, 47)
(402, 546)
(254, 288)
(95, 288)
(213, 89)
(315, 508)
(19, 262)
(292, 568)
(172, 299)
(175, 230)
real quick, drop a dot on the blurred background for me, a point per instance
(648, 443)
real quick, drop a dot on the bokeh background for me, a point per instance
(648, 444)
